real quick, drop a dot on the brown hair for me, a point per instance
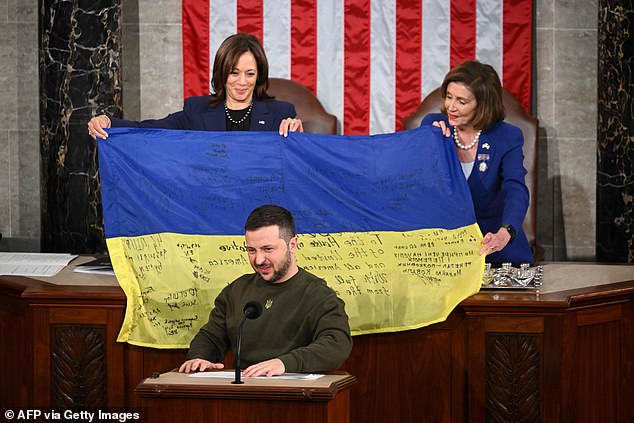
(226, 58)
(270, 215)
(484, 83)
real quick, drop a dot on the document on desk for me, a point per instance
(231, 375)
(98, 266)
(33, 264)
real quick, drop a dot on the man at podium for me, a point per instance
(303, 326)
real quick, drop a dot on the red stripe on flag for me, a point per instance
(517, 46)
(408, 59)
(356, 80)
(251, 17)
(463, 31)
(304, 43)
(195, 47)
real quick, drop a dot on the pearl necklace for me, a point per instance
(461, 145)
(238, 122)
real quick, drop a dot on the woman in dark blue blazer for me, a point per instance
(490, 153)
(239, 101)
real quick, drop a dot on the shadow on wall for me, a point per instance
(21, 245)
(551, 236)
(578, 222)
(131, 62)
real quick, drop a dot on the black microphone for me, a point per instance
(252, 310)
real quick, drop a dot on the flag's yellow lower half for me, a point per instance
(390, 281)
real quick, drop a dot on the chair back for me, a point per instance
(315, 118)
(515, 115)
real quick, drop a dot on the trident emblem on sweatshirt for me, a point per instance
(268, 303)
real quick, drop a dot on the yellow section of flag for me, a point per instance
(390, 281)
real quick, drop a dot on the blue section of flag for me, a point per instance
(195, 182)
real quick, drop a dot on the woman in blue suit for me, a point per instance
(239, 101)
(490, 153)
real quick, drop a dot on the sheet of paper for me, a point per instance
(231, 375)
(33, 264)
(101, 266)
(94, 271)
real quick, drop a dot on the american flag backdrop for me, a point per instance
(370, 62)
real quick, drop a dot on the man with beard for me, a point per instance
(303, 326)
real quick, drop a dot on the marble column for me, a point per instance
(615, 133)
(80, 52)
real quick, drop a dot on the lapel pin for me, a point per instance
(483, 158)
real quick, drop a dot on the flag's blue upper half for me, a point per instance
(195, 182)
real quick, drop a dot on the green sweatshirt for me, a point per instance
(303, 323)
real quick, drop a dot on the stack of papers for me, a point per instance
(33, 264)
(100, 266)
(230, 375)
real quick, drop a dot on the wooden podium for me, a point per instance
(178, 397)
(571, 343)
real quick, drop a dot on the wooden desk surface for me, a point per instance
(68, 277)
(564, 284)
(174, 384)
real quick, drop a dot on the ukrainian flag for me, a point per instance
(387, 220)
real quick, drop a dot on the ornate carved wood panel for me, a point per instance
(78, 367)
(513, 378)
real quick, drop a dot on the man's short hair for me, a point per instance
(269, 215)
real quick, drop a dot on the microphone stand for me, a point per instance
(238, 373)
(252, 310)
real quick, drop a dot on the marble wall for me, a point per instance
(19, 127)
(566, 88)
(80, 45)
(153, 80)
(615, 175)
(565, 104)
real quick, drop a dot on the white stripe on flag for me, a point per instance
(435, 46)
(277, 37)
(223, 22)
(330, 57)
(382, 66)
(489, 33)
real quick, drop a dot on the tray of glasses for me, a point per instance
(509, 277)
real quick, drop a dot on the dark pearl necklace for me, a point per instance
(238, 122)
